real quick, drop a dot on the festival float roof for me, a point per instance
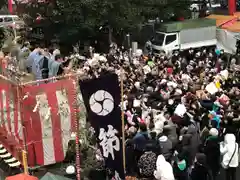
(22, 177)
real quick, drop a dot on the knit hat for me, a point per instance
(213, 132)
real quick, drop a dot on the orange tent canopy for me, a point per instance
(234, 28)
(21, 177)
(220, 19)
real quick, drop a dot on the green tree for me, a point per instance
(3, 5)
(82, 19)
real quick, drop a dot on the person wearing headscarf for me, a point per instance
(230, 160)
(164, 169)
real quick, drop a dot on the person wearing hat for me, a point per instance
(212, 152)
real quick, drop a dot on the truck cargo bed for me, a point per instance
(197, 35)
(187, 24)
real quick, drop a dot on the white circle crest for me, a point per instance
(101, 103)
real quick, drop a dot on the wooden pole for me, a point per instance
(77, 138)
(24, 160)
(123, 124)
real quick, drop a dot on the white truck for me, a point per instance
(184, 35)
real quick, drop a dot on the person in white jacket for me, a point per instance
(164, 169)
(229, 150)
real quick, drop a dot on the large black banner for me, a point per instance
(102, 100)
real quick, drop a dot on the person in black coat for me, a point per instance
(200, 170)
(184, 148)
(130, 158)
(153, 141)
(180, 167)
(212, 152)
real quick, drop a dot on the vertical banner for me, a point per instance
(49, 119)
(102, 100)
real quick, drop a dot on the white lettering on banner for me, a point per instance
(11, 112)
(116, 176)
(109, 141)
(4, 100)
(20, 127)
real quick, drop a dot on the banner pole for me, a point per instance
(123, 125)
(78, 166)
(24, 160)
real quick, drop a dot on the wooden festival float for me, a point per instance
(36, 119)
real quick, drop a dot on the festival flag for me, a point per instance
(102, 99)
(49, 120)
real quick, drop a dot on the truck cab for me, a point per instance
(163, 42)
(183, 35)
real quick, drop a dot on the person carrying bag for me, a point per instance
(229, 150)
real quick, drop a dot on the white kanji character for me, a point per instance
(116, 176)
(109, 141)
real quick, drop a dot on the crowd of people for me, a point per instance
(177, 127)
(182, 112)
